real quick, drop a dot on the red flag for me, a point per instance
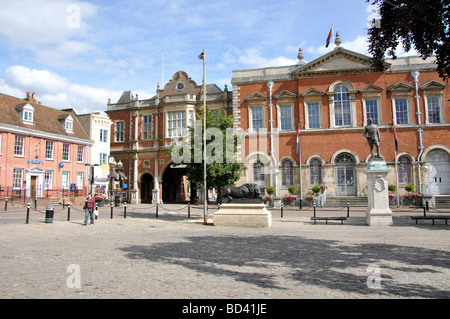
(395, 139)
(329, 37)
(298, 138)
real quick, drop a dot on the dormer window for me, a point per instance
(26, 112)
(67, 123)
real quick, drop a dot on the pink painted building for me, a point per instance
(43, 151)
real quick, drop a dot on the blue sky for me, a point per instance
(80, 53)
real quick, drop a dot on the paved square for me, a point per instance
(179, 257)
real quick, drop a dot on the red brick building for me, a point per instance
(142, 131)
(43, 151)
(330, 100)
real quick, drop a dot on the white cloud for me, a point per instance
(30, 23)
(253, 58)
(55, 91)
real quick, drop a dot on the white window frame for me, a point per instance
(66, 151)
(17, 179)
(80, 180)
(104, 135)
(352, 100)
(119, 131)
(408, 109)
(65, 182)
(146, 130)
(252, 110)
(291, 117)
(48, 180)
(19, 147)
(80, 154)
(49, 149)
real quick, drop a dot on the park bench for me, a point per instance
(326, 219)
(433, 218)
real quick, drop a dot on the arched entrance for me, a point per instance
(174, 188)
(438, 175)
(345, 177)
(146, 188)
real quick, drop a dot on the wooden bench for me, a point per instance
(326, 219)
(416, 218)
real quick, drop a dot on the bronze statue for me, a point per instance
(372, 134)
(246, 192)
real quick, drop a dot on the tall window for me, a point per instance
(257, 118)
(434, 109)
(49, 147)
(103, 136)
(287, 173)
(80, 154)
(404, 170)
(103, 158)
(17, 178)
(372, 111)
(176, 123)
(258, 173)
(18, 145)
(80, 180)
(146, 127)
(66, 152)
(285, 117)
(315, 172)
(401, 111)
(342, 106)
(65, 180)
(120, 131)
(314, 115)
(48, 180)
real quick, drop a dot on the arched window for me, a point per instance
(258, 173)
(342, 106)
(287, 173)
(404, 170)
(315, 171)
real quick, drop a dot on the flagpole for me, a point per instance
(300, 160)
(205, 189)
(396, 167)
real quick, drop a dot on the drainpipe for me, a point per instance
(272, 152)
(415, 75)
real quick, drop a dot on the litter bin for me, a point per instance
(49, 214)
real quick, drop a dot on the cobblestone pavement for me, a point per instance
(174, 256)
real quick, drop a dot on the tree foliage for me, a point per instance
(424, 25)
(220, 171)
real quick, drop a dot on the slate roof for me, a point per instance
(46, 119)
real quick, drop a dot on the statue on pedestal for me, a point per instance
(372, 134)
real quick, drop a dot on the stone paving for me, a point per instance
(177, 257)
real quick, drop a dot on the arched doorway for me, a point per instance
(146, 188)
(345, 177)
(174, 184)
(438, 175)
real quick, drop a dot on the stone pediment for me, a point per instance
(284, 94)
(256, 97)
(372, 88)
(433, 85)
(337, 62)
(312, 92)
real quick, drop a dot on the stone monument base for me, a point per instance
(243, 215)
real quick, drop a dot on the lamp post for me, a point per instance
(205, 211)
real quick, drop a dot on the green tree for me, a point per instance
(424, 25)
(222, 169)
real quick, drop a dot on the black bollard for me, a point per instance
(28, 213)
(424, 211)
(68, 212)
(64, 201)
(189, 210)
(125, 210)
(96, 208)
(301, 204)
(427, 205)
(156, 214)
(6, 204)
(314, 209)
(281, 210)
(112, 209)
(35, 202)
(348, 209)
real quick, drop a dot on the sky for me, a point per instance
(79, 54)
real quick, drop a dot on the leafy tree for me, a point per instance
(221, 170)
(424, 25)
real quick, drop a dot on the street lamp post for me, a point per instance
(205, 211)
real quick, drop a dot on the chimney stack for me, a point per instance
(31, 97)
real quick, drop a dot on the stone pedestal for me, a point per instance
(243, 215)
(378, 212)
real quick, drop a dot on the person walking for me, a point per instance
(89, 206)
